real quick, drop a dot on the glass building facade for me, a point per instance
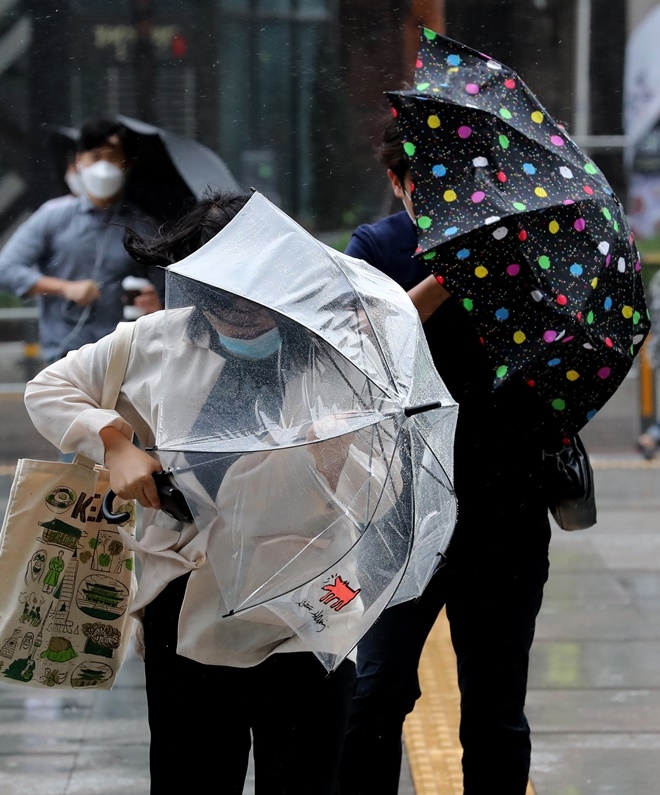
(287, 92)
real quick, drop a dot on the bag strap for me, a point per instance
(120, 351)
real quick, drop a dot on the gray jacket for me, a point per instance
(69, 238)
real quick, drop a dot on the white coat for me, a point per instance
(63, 402)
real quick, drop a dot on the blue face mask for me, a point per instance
(258, 348)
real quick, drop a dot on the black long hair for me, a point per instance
(177, 239)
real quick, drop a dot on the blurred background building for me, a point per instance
(288, 94)
(285, 91)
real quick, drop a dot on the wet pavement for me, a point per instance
(594, 694)
(75, 742)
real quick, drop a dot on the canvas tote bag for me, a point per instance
(66, 575)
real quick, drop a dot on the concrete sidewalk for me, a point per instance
(594, 696)
(594, 693)
(72, 742)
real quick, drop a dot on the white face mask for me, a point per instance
(102, 179)
(74, 182)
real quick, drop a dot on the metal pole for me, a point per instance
(296, 84)
(145, 70)
(581, 111)
(647, 408)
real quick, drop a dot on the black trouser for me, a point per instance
(204, 718)
(491, 610)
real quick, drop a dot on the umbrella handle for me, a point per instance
(172, 501)
(106, 509)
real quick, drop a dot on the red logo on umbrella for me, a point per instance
(339, 592)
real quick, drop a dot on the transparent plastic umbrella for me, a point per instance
(321, 472)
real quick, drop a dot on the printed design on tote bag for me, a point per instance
(36, 567)
(55, 568)
(108, 553)
(91, 674)
(32, 603)
(61, 499)
(52, 677)
(102, 597)
(102, 639)
(61, 534)
(65, 621)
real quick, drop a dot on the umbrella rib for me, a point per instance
(440, 464)
(367, 525)
(356, 394)
(378, 428)
(366, 312)
(368, 521)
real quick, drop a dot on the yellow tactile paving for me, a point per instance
(431, 731)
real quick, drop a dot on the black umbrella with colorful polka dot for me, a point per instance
(518, 223)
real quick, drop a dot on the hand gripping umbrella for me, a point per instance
(320, 463)
(524, 229)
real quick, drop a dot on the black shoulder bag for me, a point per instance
(570, 486)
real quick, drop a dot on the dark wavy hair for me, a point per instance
(178, 239)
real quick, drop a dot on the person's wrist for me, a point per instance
(114, 441)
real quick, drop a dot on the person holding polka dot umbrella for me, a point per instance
(524, 229)
(532, 318)
(496, 565)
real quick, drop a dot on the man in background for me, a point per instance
(69, 255)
